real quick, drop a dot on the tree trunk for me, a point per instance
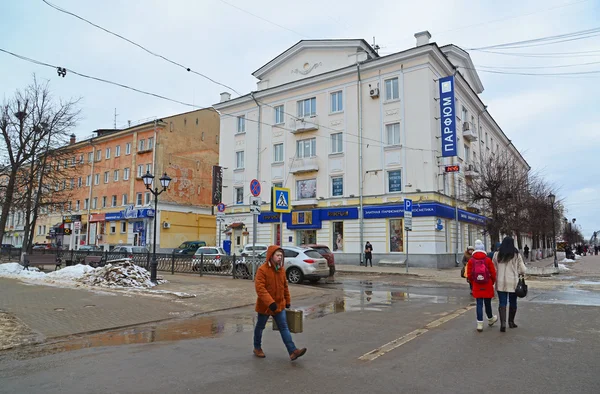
(7, 203)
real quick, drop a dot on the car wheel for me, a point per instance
(295, 276)
(241, 271)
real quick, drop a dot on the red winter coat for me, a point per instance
(482, 290)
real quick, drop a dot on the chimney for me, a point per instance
(73, 139)
(225, 96)
(422, 38)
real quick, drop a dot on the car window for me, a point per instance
(184, 245)
(323, 250)
(260, 248)
(139, 249)
(289, 253)
(221, 251)
(313, 254)
(210, 251)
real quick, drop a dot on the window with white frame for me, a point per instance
(90, 157)
(239, 160)
(337, 103)
(96, 179)
(141, 145)
(150, 142)
(241, 124)
(277, 153)
(113, 227)
(306, 189)
(99, 155)
(467, 154)
(306, 148)
(123, 227)
(465, 114)
(140, 170)
(79, 183)
(95, 203)
(139, 199)
(394, 181)
(114, 201)
(106, 176)
(337, 186)
(104, 201)
(77, 205)
(108, 153)
(118, 151)
(116, 175)
(126, 174)
(307, 107)
(392, 91)
(124, 199)
(128, 148)
(392, 132)
(147, 198)
(279, 114)
(149, 168)
(239, 195)
(336, 143)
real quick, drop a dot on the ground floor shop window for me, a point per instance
(304, 237)
(338, 236)
(396, 235)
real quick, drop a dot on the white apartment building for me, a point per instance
(353, 134)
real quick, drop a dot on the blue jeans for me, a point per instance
(488, 308)
(281, 321)
(512, 298)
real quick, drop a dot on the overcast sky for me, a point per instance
(553, 120)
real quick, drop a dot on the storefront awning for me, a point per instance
(236, 225)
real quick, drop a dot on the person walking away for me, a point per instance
(465, 260)
(482, 275)
(368, 253)
(273, 295)
(526, 252)
(509, 265)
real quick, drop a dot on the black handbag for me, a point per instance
(521, 289)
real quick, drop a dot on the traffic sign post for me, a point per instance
(407, 223)
(255, 187)
(221, 207)
(255, 203)
(280, 203)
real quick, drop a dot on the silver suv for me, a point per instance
(302, 263)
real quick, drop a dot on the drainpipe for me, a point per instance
(90, 195)
(255, 217)
(360, 165)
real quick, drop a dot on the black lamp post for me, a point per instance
(165, 180)
(552, 199)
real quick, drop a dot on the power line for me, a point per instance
(547, 54)
(140, 46)
(538, 67)
(533, 74)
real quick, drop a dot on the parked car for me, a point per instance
(247, 250)
(89, 248)
(7, 246)
(42, 247)
(213, 257)
(323, 251)
(302, 263)
(128, 251)
(189, 247)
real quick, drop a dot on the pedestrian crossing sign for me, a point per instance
(281, 200)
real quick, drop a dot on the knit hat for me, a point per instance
(470, 247)
(479, 246)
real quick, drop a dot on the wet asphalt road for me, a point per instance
(554, 350)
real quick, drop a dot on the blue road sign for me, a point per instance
(255, 187)
(407, 205)
(221, 207)
(281, 197)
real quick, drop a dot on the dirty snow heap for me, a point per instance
(123, 274)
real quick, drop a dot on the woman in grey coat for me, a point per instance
(509, 265)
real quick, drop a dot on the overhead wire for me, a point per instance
(536, 67)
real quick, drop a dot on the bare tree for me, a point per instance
(33, 125)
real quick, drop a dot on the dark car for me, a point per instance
(189, 247)
(323, 251)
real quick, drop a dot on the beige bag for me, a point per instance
(294, 321)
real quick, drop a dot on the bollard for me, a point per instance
(172, 263)
(201, 263)
(234, 267)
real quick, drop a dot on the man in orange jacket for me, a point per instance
(273, 297)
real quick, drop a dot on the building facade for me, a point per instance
(109, 202)
(352, 134)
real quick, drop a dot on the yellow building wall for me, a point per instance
(186, 227)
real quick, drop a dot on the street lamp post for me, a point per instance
(552, 199)
(165, 180)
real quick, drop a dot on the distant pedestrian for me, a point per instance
(273, 298)
(494, 249)
(509, 265)
(482, 274)
(596, 250)
(368, 253)
(526, 252)
(465, 260)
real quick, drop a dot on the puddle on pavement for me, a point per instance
(568, 297)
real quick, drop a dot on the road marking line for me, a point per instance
(396, 343)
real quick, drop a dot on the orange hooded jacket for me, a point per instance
(271, 285)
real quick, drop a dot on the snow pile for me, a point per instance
(72, 272)
(123, 274)
(563, 268)
(15, 270)
(577, 257)
(567, 261)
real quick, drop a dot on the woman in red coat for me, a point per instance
(481, 273)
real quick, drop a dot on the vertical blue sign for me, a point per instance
(448, 117)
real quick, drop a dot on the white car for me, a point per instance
(213, 256)
(259, 248)
(303, 263)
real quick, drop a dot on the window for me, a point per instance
(113, 227)
(142, 145)
(149, 168)
(492, 143)
(72, 183)
(392, 92)
(239, 160)
(139, 200)
(306, 148)
(77, 205)
(116, 175)
(79, 182)
(279, 116)
(392, 132)
(39, 230)
(307, 107)
(396, 236)
(128, 148)
(66, 165)
(90, 157)
(126, 174)
(306, 189)
(44, 229)
(99, 155)
(118, 151)
(150, 142)
(277, 153)
(64, 184)
(486, 138)
(108, 153)
(394, 181)
(465, 114)
(123, 227)
(106, 176)
(239, 195)
(114, 201)
(96, 179)
(104, 200)
(337, 186)
(95, 203)
(467, 154)
(338, 236)
(336, 102)
(241, 124)
(140, 170)
(124, 199)
(73, 161)
(88, 180)
(336, 143)
(147, 198)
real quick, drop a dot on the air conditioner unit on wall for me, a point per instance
(166, 225)
(373, 92)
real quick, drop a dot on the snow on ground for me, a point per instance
(15, 270)
(577, 257)
(567, 261)
(563, 268)
(72, 272)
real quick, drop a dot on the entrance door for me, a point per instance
(304, 237)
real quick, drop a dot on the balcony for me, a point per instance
(469, 133)
(145, 150)
(309, 123)
(309, 164)
(471, 171)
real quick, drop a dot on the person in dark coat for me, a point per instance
(494, 250)
(526, 252)
(368, 253)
